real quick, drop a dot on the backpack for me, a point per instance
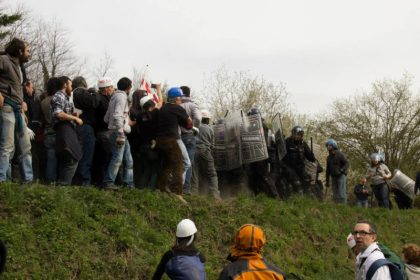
(182, 267)
(394, 263)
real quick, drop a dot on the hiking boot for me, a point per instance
(111, 187)
(180, 198)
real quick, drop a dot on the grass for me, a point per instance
(85, 233)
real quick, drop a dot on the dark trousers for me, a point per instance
(67, 166)
(381, 194)
(171, 163)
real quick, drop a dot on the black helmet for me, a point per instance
(297, 129)
(253, 111)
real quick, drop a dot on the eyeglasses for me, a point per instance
(361, 233)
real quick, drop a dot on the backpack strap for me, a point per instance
(394, 270)
(374, 267)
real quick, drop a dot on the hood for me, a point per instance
(248, 242)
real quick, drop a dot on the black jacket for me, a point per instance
(337, 164)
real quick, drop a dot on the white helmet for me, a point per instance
(205, 114)
(185, 228)
(105, 82)
(145, 99)
(350, 241)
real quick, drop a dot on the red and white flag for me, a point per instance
(146, 85)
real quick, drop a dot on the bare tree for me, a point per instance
(104, 67)
(240, 91)
(385, 120)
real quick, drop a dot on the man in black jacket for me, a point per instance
(337, 166)
(87, 101)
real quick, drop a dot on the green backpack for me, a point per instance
(393, 258)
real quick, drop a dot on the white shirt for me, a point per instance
(370, 255)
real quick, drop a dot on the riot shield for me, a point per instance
(279, 137)
(227, 148)
(403, 183)
(253, 145)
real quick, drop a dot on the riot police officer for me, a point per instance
(297, 152)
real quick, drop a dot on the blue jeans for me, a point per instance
(119, 155)
(339, 189)
(362, 203)
(189, 141)
(88, 143)
(186, 163)
(51, 168)
(11, 140)
(381, 194)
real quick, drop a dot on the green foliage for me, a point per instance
(85, 233)
(6, 21)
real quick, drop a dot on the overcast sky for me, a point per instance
(321, 49)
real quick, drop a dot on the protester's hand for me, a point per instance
(31, 133)
(1, 100)
(120, 141)
(78, 121)
(158, 86)
(127, 128)
(152, 144)
(24, 107)
(29, 88)
(195, 130)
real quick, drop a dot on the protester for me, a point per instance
(378, 173)
(411, 257)
(102, 154)
(148, 157)
(337, 166)
(247, 261)
(13, 128)
(183, 261)
(362, 194)
(203, 167)
(49, 141)
(171, 115)
(188, 135)
(68, 147)
(86, 101)
(119, 124)
(366, 242)
(297, 152)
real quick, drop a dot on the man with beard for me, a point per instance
(68, 148)
(13, 129)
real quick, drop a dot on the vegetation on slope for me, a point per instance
(85, 233)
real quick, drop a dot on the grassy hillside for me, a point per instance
(85, 233)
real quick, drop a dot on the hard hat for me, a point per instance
(253, 111)
(105, 82)
(375, 156)
(205, 114)
(145, 99)
(250, 238)
(185, 228)
(174, 92)
(332, 143)
(350, 241)
(297, 129)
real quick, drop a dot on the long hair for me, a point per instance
(181, 243)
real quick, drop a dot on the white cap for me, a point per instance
(205, 114)
(145, 99)
(105, 82)
(350, 241)
(185, 228)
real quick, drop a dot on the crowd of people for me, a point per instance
(72, 134)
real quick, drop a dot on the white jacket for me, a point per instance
(365, 259)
